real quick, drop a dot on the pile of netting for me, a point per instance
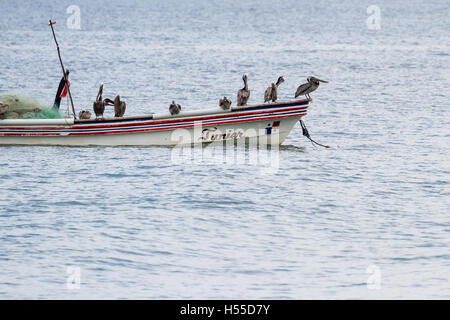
(24, 107)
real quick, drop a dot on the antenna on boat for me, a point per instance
(51, 23)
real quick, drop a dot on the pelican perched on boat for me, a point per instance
(244, 93)
(99, 104)
(119, 107)
(225, 103)
(174, 108)
(84, 115)
(3, 109)
(306, 88)
(271, 92)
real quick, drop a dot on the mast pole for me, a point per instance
(51, 23)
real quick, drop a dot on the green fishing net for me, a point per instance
(46, 113)
(21, 106)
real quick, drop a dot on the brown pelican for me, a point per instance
(84, 115)
(3, 109)
(306, 88)
(225, 103)
(119, 107)
(244, 93)
(174, 108)
(99, 104)
(271, 92)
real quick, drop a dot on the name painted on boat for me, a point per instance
(214, 134)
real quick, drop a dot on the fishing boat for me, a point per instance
(265, 123)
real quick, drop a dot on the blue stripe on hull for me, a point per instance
(269, 106)
(159, 126)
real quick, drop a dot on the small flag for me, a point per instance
(64, 91)
(50, 22)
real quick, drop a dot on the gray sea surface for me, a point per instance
(368, 218)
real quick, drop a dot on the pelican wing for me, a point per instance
(224, 103)
(268, 94)
(84, 114)
(174, 108)
(99, 108)
(242, 97)
(123, 107)
(302, 89)
(117, 107)
(274, 94)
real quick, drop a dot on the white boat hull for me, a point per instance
(262, 124)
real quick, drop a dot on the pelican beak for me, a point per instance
(324, 81)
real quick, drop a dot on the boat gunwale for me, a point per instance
(150, 117)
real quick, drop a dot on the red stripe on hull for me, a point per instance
(186, 126)
(151, 129)
(156, 122)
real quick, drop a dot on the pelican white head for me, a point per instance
(314, 79)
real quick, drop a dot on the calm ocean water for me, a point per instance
(368, 218)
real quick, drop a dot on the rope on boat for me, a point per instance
(306, 134)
